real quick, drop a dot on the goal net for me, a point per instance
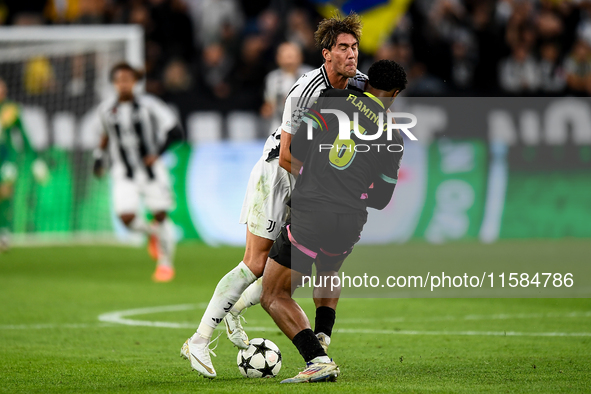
(58, 76)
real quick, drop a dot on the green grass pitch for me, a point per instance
(51, 338)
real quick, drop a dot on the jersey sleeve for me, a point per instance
(359, 81)
(11, 118)
(384, 186)
(310, 121)
(300, 144)
(17, 123)
(391, 166)
(295, 104)
(100, 111)
(165, 118)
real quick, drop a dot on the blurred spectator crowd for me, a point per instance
(502, 47)
(220, 54)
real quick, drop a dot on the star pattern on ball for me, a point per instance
(260, 349)
(267, 371)
(245, 364)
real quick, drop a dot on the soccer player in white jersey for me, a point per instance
(137, 130)
(269, 188)
(279, 82)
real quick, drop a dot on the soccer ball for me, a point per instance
(262, 359)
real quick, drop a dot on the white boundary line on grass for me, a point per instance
(117, 318)
(45, 326)
(500, 316)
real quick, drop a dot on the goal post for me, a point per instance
(58, 75)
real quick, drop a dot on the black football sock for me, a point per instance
(325, 317)
(308, 345)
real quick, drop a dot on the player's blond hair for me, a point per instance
(329, 29)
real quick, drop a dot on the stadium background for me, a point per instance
(87, 318)
(487, 167)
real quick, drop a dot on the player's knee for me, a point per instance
(127, 218)
(256, 265)
(160, 216)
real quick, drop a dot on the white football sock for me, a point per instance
(203, 334)
(226, 293)
(251, 296)
(166, 243)
(139, 224)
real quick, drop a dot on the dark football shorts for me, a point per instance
(310, 235)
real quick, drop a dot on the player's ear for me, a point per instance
(326, 54)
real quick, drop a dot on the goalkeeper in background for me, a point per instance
(11, 153)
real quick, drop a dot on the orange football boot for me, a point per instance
(163, 274)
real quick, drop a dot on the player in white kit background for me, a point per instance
(269, 189)
(279, 82)
(137, 130)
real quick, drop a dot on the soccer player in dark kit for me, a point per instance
(330, 200)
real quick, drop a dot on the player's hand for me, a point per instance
(40, 171)
(98, 169)
(149, 160)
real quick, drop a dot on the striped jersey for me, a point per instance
(136, 129)
(301, 96)
(278, 84)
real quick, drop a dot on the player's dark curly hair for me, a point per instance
(329, 29)
(138, 74)
(387, 75)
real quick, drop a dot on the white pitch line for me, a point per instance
(117, 317)
(136, 323)
(50, 326)
(463, 333)
(112, 319)
(503, 316)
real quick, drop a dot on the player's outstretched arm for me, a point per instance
(380, 195)
(300, 144)
(296, 144)
(99, 156)
(172, 136)
(286, 160)
(168, 126)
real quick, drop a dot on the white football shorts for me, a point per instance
(155, 193)
(269, 188)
